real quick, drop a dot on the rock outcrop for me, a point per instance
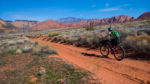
(23, 23)
(145, 16)
(52, 24)
(7, 27)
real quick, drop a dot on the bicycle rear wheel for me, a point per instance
(119, 53)
(104, 50)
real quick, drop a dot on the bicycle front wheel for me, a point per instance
(104, 50)
(119, 53)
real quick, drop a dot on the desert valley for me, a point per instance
(70, 50)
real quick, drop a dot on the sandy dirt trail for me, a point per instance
(107, 70)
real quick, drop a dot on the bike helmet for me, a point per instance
(110, 29)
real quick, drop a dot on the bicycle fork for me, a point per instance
(111, 47)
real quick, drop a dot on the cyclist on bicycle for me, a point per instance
(114, 37)
(112, 44)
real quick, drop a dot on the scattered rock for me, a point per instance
(47, 51)
(11, 42)
(42, 72)
(18, 51)
(20, 41)
(35, 43)
(11, 45)
(27, 49)
(10, 48)
(26, 39)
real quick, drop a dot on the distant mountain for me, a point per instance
(145, 16)
(69, 20)
(49, 24)
(7, 27)
(23, 23)
(115, 19)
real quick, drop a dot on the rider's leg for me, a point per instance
(114, 43)
(104, 41)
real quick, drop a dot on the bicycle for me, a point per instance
(116, 50)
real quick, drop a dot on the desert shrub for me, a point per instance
(146, 32)
(55, 39)
(72, 40)
(82, 41)
(47, 38)
(3, 62)
(59, 38)
(64, 39)
(43, 50)
(89, 28)
(95, 41)
(141, 33)
(52, 34)
(2, 31)
(15, 46)
(124, 33)
(139, 44)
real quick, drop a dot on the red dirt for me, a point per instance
(33, 78)
(107, 70)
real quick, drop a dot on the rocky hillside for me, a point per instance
(145, 16)
(23, 23)
(115, 19)
(49, 24)
(52, 24)
(7, 27)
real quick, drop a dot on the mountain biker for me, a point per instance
(114, 37)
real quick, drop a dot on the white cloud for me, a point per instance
(116, 8)
(109, 9)
(93, 6)
(106, 4)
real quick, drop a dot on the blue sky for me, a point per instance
(54, 9)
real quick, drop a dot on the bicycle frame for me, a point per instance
(109, 44)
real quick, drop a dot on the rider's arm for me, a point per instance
(107, 35)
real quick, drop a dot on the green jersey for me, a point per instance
(114, 34)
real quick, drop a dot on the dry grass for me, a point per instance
(43, 49)
(36, 67)
(139, 44)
